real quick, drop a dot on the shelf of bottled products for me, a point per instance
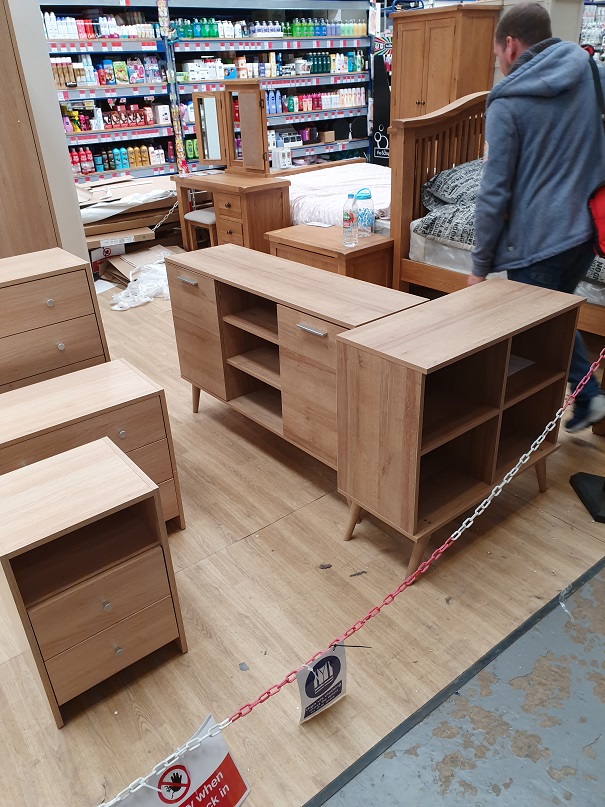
(282, 82)
(107, 136)
(144, 171)
(300, 43)
(101, 93)
(57, 47)
(263, 41)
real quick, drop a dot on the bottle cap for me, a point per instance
(351, 196)
(363, 193)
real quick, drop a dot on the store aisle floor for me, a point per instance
(528, 729)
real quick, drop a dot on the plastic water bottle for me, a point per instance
(350, 234)
(366, 212)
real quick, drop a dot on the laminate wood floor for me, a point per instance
(261, 518)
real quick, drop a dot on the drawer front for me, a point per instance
(170, 505)
(44, 349)
(130, 427)
(43, 302)
(228, 204)
(154, 460)
(308, 383)
(82, 611)
(95, 659)
(230, 232)
(196, 327)
(308, 258)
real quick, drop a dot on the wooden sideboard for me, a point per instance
(473, 379)
(246, 207)
(259, 332)
(50, 322)
(85, 568)
(111, 400)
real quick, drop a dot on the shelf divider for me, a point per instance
(259, 320)
(262, 363)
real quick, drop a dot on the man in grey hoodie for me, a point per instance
(544, 155)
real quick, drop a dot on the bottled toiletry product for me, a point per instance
(350, 234)
(137, 157)
(124, 157)
(144, 155)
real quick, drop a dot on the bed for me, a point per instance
(420, 149)
(318, 195)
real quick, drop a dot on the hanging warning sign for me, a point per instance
(322, 683)
(206, 776)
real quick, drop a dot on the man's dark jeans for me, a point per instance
(563, 273)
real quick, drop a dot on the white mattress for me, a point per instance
(320, 195)
(458, 259)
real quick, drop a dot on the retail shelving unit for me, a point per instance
(178, 51)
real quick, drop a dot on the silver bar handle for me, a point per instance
(309, 329)
(188, 281)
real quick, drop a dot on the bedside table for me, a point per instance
(322, 247)
(86, 570)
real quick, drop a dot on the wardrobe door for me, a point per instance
(408, 67)
(438, 63)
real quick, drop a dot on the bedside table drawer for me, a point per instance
(154, 460)
(86, 609)
(95, 659)
(230, 232)
(228, 204)
(43, 349)
(44, 302)
(130, 427)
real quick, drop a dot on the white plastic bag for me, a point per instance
(146, 283)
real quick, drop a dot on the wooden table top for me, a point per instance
(460, 323)
(229, 183)
(66, 491)
(335, 298)
(36, 265)
(41, 407)
(325, 240)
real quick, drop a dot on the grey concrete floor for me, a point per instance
(529, 729)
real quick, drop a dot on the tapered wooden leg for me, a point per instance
(540, 467)
(195, 398)
(417, 553)
(354, 514)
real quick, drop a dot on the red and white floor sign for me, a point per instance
(204, 777)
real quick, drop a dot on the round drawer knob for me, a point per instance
(118, 651)
(122, 434)
(61, 346)
(106, 605)
(50, 303)
(229, 232)
(227, 205)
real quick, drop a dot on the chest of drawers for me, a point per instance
(259, 332)
(85, 569)
(49, 318)
(110, 400)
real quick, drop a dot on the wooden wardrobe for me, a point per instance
(441, 54)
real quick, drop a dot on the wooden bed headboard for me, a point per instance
(422, 147)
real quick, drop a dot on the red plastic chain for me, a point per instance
(424, 567)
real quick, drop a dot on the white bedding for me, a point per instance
(458, 259)
(320, 195)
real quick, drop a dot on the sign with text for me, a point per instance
(322, 683)
(206, 776)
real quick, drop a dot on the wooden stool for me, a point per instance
(204, 219)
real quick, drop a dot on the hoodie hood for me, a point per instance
(554, 71)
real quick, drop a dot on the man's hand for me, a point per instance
(472, 280)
